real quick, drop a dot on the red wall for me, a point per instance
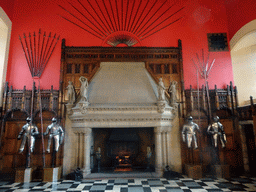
(200, 17)
(7, 6)
(239, 13)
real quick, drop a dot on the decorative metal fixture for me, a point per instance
(102, 18)
(38, 51)
(204, 69)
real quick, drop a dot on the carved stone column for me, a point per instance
(158, 151)
(87, 148)
(164, 147)
(168, 146)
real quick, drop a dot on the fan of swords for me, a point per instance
(38, 49)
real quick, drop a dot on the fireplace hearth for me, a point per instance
(123, 147)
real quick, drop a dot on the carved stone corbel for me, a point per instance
(69, 108)
(161, 105)
(175, 109)
(83, 105)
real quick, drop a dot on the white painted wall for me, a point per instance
(243, 54)
(5, 35)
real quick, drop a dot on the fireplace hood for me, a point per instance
(122, 83)
(122, 94)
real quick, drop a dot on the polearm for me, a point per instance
(44, 64)
(149, 11)
(112, 23)
(30, 62)
(25, 53)
(136, 12)
(38, 51)
(204, 71)
(44, 52)
(28, 161)
(108, 32)
(162, 28)
(150, 18)
(35, 48)
(145, 33)
(128, 24)
(82, 28)
(31, 50)
(91, 15)
(41, 114)
(102, 33)
(42, 48)
(199, 114)
(139, 17)
(79, 19)
(103, 15)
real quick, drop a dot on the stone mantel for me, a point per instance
(132, 115)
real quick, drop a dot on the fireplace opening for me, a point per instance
(124, 149)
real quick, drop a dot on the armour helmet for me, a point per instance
(28, 119)
(54, 119)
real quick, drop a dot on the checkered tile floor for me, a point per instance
(137, 185)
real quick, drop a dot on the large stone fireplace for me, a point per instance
(122, 96)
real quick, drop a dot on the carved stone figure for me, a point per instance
(216, 131)
(71, 93)
(189, 132)
(84, 88)
(173, 92)
(161, 90)
(56, 133)
(28, 133)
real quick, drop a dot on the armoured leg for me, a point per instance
(56, 142)
(32, 144)
(49, 144)
(22, 145)
(195, 142)
(222, 142)
(215, 140)
(189, 140)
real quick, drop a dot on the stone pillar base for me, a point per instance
(86, 172)
(194, 171)
(51, 174)
(159, 172)
(221, 171)
(23, 175)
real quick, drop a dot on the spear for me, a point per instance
(204, 72)
(41, 114)
(140, 16)
(149, 11)
(38, 48)
(42, 49)
(35, 49)
(151, 18)
(49, 55)
(25, 53)
(102, 33)
(45, 50)
(27, 49)
(31, 50)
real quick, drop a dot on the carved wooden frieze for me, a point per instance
(22, 99)
(218, 99)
